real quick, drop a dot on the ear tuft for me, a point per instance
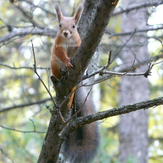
(78, 13)
(58, 12)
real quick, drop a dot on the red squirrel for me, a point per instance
(66, 42)
(81, 145)
(65, 45)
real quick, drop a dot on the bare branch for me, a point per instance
(154, 28)
(35, 70)
(25, 132)
(140, 6)
(26, 31)
(29, 16)
(6, 155)
(18, 68)
(120, 110)
(73, 124)
(123, 73)
(37, 6)
(24, 105)
(97, 81)
(100, 70)
(113, 74)
(127, 69)
(34, 127)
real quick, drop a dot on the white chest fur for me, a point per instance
(69, 46)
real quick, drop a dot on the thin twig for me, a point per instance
(37, 6)
(24, 32)
(132, 34)
(74, 115)
(35, 70)
(16, 130)
(24, 67)
(107, 65)
(158, 62)
(6, 155)
(119, 74)
(24, 105)
(136, 30)
(139, 6)
(34, 127)
(148, 72)
(100, 70)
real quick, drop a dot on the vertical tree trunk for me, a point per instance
(133, 127)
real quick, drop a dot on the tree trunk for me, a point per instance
(58, 130)
(133, 127)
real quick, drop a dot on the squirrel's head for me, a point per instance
(68, 25)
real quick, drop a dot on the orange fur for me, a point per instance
(71, 97)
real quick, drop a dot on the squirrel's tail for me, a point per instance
(81, 145)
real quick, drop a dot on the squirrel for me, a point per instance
(65, 45)
(81, 145)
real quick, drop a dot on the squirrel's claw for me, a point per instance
(69, 65)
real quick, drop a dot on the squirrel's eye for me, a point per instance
(59, 25)
(73, 26)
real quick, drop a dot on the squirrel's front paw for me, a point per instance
(69, 65)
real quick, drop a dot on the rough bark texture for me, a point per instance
(133, 127)
(88, 13)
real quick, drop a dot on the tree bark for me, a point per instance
(133, 127)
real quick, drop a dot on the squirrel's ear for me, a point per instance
(78, 13)
(58, 12)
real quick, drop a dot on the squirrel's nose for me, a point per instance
(65, 34)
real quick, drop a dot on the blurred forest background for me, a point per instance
(24, 116)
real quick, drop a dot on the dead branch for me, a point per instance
(35, 70)
(154, 28)
(6, 155)
(24, 67)
(24, 32)
(22, 131)
(24, 105)
(37, 6)
(73, 124)
(129, 68)
(137, 7)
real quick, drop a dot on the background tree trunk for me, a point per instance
(133, 128)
